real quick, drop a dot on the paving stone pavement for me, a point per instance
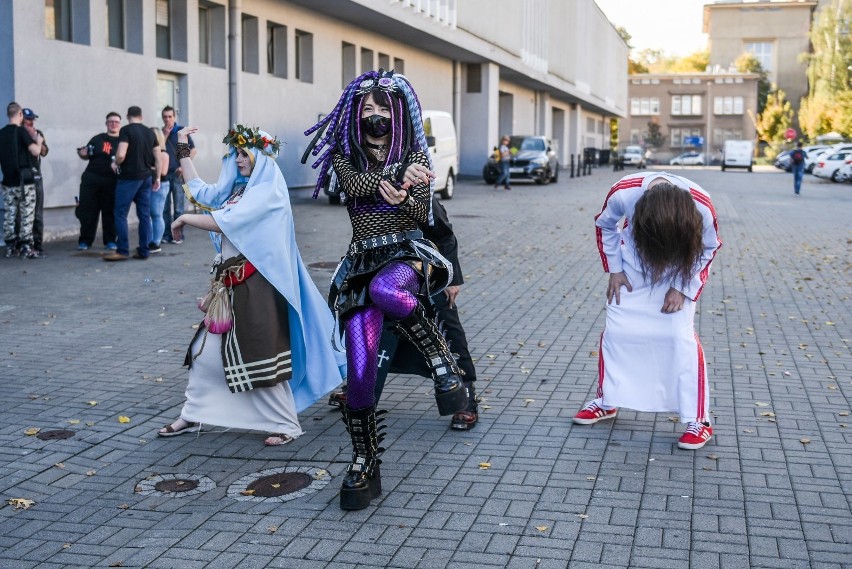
(85, 342)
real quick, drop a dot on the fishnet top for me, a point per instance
(369, 213)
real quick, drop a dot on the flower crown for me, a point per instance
(246, 137)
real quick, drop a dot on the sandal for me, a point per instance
(170, 431)
(464, 420)
(278, 439)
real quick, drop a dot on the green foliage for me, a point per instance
(775, 119)
(748, 63)
(828, 106)
(692, 63)
(654, 136)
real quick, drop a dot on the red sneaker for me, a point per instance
(592, 413)
(696, 436)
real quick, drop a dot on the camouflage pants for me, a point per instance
(19, 199)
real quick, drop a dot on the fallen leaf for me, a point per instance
(21, 503)
(320, 474)
(276, 485)
(583, 516)
(32, 431)
(124, 507)
(59, 465)
(831, 386)
(90, 423)
(747, 431)
(805, 441)
(66, 545)
(541, 528)
(591, 477)
(767, 414)
(116, 564)
(674, 419)
(485, 406)
(528, 401)
(91, 472)
(706, 468)
(844, 413)
(123, 419)
(272, 529)
(829, 323)
(593, 353)
(484, 465)
(761, 404)
(73, 421)
(92, 403)
(712, 457)
(247, 492)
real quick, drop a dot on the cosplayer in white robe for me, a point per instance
(260, 226)
(650, 360)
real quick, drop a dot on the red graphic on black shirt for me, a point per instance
(107, 148)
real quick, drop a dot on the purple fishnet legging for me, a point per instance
(393, 293)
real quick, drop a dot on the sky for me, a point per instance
(673, 26)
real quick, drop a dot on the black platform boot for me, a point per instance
(422, 331)
(363, 480)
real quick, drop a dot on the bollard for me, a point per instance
(572, 165)
(579, 165)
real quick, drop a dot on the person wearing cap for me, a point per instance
(16, 146)
(35, 164)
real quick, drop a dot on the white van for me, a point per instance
(441, 138)
(738, 154)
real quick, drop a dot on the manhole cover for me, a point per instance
(58, 434)
(176, 485)
(279, 484)
(325, 265)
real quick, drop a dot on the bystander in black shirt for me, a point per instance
(103, 150)
(139, 162)
(14, 153)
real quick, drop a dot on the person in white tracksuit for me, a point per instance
(658, 262)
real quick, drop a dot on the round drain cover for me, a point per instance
(280, 484)
(176, 485)
(326, 265)
(58, 434)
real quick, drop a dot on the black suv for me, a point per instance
(532, 159)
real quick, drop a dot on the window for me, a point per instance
(399, 65)
(720, 135)
(686, 105)
(349, 70)
(645, 106)
(115, 23)
(65, 20)
(384, 61)
(211, 34)
(250, 44)
(474, 77)
(366, 60)
(276, 49)
(762, 51)
(57, 19)
(304, 56)
(727, 105)
(164, 40)
(203, 34)
(590, 124)
(679, 135)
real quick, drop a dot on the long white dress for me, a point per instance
(209, 401)
(651, 361)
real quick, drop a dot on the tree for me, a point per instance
(694, 62)
(828, 106)
(748, 63)
(633, 66)
(775, 119)
(654, 137)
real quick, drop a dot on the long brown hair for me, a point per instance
(667, 230)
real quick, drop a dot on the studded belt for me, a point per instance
(384, 240)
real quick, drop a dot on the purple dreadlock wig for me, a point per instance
(340, 130)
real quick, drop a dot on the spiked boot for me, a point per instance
(363, 480)
(422, 331)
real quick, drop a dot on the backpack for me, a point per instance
(798, 156)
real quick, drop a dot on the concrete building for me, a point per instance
(543, 67)
(712, 107)
(776, 32)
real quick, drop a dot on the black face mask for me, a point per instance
(376, 126)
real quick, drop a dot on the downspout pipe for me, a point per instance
(235, 56)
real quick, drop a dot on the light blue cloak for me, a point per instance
(260, 225)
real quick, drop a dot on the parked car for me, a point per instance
(828, 166)
(738, 154)
(634, 156)
(533, 158)
(845, 172)
(688, 159)
(783, 161)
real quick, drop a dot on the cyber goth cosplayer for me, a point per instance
(373, 146)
